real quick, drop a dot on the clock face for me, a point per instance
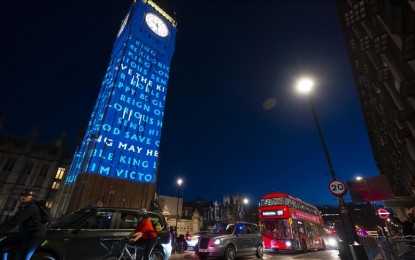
(157, 25)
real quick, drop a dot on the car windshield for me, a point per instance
(223, 228)
(69, 220)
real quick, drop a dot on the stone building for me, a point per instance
(30, 163)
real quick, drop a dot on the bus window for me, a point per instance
(301, 227)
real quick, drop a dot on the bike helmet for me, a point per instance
(142, 212)
(28, 191)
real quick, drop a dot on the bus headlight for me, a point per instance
(332, 242)
(288, 243)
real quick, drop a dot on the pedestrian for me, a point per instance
(173, 238)
(407, 223)
(31, 231)
(144, 234)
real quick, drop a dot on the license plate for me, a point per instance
(203, 250)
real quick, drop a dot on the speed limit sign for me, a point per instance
(337, 188)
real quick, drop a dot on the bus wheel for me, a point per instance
(303, 246)
(230, 253)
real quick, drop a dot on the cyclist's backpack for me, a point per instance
(45, 214)
(156, 225)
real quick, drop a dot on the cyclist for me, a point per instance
(144, 234)
(31, 230)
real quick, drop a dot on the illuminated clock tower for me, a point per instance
(117, 163)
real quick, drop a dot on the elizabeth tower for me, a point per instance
(116, 163)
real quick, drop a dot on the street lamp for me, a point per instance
(305, 86)
(245, 201)
(179, 183)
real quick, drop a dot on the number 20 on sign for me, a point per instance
(337, 188)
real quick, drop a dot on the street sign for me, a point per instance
(383, 213)
(337, 188)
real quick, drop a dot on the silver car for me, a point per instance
(231, 239)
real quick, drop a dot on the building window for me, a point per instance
(356, 14)
(381, 43)
(59, 173)
(43, 172)
(359, 10)
(55, 185)
(352, 44)
(8, 166)
(48, 204)
(397, 86)
(24, 174)
(10, 205)
(4, 176)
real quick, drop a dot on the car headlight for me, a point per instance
(288, 243)
(216, 241)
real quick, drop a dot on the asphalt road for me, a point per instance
(314, 255)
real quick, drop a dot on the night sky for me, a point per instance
(233, 123)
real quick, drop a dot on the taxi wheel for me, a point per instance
(260, 251)
(230, 253)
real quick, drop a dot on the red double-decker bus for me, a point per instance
(288, 223)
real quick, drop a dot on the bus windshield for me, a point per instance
(276, 228)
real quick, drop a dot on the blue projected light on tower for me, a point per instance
(123, 135)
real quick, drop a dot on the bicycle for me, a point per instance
(122, 249)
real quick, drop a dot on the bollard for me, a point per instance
(344, 251)
(358, 252)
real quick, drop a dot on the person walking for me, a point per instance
(173, 238)
(31, 230)
(144, 234)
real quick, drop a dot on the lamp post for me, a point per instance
(179, 183)
(305, 86)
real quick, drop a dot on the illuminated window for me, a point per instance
(48, 204)
(55, 185)
(59, 173)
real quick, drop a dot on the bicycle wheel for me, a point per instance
(157, 254)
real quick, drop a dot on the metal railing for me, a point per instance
(389, 248)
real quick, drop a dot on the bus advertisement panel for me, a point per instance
(288, 223)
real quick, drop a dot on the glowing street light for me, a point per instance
(179, 183)
(304, 86)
